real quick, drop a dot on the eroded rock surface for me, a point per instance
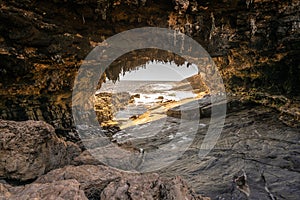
(253, 140)
(100, 182)
(107, 104)
(254, 45)
(107, 183)
(30, 149)
(64, 189)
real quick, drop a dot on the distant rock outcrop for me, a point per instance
(107, 104)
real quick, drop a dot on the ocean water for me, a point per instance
(134, 86)
(151, 93)
(149, 90)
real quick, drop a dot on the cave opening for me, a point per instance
(147, 104)
(141, 86)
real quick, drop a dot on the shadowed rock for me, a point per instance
(30, 149)
(64, 189)
(107, 183)
(100, 182)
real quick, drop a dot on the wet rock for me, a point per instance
(253, 141)
(135, 96)
(188, 110)
(109, 129)
(241, 184)
(30, 149)
(133, 117)
(198, 108)
(202, 108)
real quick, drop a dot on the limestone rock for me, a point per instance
(107, 104)
(31, 148)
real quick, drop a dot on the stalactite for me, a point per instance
(213, 26)
(175, 36)
(102, 7)
(249, 2)
(182, 42)
(253, 26)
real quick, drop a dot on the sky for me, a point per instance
(161, 72)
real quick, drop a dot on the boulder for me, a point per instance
(102, 182)
(31, 148)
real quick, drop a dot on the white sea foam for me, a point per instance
(161, 86)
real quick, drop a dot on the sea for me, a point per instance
(150, 93)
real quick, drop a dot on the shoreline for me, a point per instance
(159, 111)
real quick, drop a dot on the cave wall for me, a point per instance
(254, 43)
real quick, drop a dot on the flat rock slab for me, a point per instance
(202, 108)
(255, 141)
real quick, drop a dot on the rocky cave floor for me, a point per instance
(253, 140)
(254, 143)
